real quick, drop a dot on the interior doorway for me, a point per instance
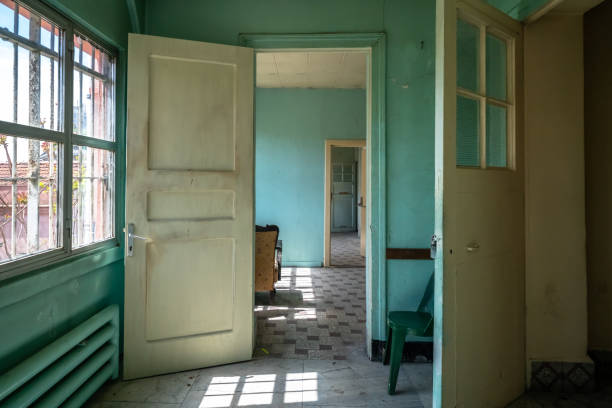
(304, 100)
(345, 202)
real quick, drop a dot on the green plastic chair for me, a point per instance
(401, 324)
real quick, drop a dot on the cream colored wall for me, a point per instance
(556, 287)
(598, 145)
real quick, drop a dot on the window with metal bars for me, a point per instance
(57, 137)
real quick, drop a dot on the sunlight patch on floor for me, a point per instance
(260, 390)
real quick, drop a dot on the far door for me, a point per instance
(189, 205)
(479, 208)
(343, 197)
(362, 202)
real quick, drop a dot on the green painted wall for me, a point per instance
(410, 29)
(291, 128)
(38, 307)
(111, 22)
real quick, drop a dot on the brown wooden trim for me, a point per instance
(408, 253)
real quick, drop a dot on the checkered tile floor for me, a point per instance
(345, 249)
(317, 313)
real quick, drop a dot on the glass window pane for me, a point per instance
(29, 79)
(6, 81)
(49, 35)
(77, 48)
(468, 130)
(92, 195)
(496, 136)
(24, 23)
(29, 188)
(93, 98)
(7, 15)
(496, 67)
(468, 54)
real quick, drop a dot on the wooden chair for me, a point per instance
(268, 258)
(402, 323)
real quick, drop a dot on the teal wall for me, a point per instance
(38, 307)
(410, 29)
(291, 128)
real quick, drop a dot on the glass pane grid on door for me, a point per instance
(484, 95)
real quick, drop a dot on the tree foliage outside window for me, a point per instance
(57, 135)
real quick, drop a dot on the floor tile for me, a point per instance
(310, 351)
(170, 388)
(345, 248)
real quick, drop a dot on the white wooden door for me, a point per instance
(189, 193)
(343, 197)
(480, 309)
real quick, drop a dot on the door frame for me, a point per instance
(375, 44)
(329, 143)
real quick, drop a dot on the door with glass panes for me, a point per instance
(479, 207)
(344, 216)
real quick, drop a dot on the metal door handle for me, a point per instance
(130, 238)
(473, 246)
(360, 203)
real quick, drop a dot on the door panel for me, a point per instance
(480, 316)
(189, 193)
(201, 93)
(185, 206)
(192, 291)
(343, 198)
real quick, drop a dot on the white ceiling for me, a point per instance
(319, 69)
(576, 6)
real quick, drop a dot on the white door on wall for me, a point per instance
(479, 207)
(343, 197)
(189, 193)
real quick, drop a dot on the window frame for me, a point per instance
(66, 138)
(486, 26)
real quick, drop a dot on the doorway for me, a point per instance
(302, 100)
(374, 45)
(345, 202)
